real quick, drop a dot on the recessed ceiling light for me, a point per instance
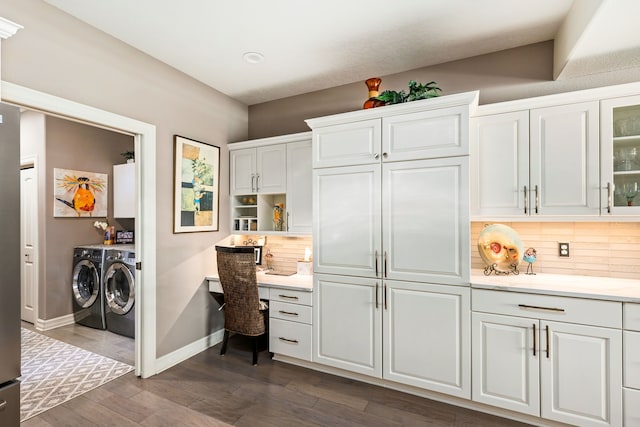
(253, 57)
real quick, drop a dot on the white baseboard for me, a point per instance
(190, 350)
(48, 324)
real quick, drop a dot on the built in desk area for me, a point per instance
(290, 311)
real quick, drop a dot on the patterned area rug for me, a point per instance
(54, 372)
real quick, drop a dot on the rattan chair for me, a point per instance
(242, 309)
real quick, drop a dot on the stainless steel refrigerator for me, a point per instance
(9, 265)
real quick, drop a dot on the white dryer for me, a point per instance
(119, 290)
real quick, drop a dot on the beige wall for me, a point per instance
(502, 76)
(606, 249)
(59, 55)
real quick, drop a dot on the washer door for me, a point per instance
(119, 288)
(86, 283)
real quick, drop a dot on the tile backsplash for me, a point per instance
(609, 249)
(286, 251)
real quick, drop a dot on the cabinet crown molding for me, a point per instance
(455, 100)
(8, 28)
(282, 139)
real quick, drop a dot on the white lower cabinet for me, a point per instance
(290, 323)
(533, 364)
(410, 333)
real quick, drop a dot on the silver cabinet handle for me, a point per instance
(376, 156)
(375, 257)
(288, 340)
(609, 199)
(288, 297)
(376, 295)
(288, 313)
(537, 198)
(385, 155)
(548, 342)
(287, 221)
(385, 296)
(3, 404)
(535, 340)
(257, 182)
(526, 201)
(253, 183)
(537, 307)
(385, 265)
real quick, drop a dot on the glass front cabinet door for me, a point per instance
(620, 149)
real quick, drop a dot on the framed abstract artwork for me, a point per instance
(79, 193)
(196, 186)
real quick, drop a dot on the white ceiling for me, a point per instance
(313, 45)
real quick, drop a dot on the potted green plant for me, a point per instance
(129, 155)
(416, 91)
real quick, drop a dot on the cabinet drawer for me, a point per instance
(631, 405)
(548, 307)
(631, 348)
(287, 311)
(292, 296)
(290, 338)
(632, 316)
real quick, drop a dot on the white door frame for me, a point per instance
(145, 231)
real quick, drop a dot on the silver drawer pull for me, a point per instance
(289, 313)
(3, 404)
(288, 297)
(288, 340)
(536, 307)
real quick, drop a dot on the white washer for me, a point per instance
(119, 289)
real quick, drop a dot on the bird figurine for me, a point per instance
(530, 256)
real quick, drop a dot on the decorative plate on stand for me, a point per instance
(501, 249)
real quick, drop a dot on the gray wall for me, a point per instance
(501, 76)
(60, 55)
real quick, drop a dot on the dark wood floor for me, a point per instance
(214, 390)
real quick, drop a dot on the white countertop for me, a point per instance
(297, 281)
(604, 288)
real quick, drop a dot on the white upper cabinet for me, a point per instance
(620, 155)
(538, 162)
(124, 190)
(258, 170)
(356, 143)
(564, 159)
(500, 164)
(299, 186)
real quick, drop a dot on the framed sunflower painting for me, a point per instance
(196, 186)
(79, 193)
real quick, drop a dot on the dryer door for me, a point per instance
(86, 283)
(119, 288)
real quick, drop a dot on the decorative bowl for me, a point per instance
(500, 248)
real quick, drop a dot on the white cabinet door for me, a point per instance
(564, 150)
(242, 171)
(505, 362)
(346, 225)
(347, 323)
(356, 143)
(124, 190)
(271, 169)
(581, 374)
(427, 341)
(426, 134)
(299, 187)
(425, 215)
(500, 164)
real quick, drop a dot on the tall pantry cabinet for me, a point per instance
(391, 242)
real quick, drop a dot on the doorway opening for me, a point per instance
(144, 136)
